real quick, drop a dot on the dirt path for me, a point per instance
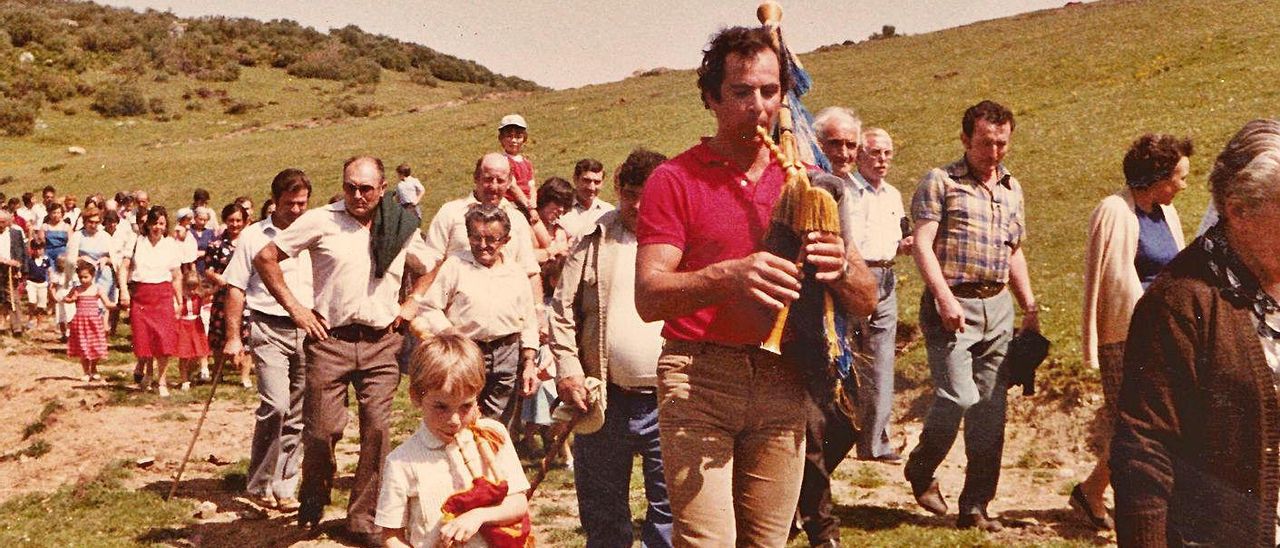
(1044, 453)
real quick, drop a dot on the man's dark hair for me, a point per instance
(744, 41)
(556, 190)
(290, 180)
(382, 173)
(403, 170)
(639, 164)
(200, 196)
(1153, 158)
(28, 198)
(994, 113)
(485, 214)
(48, 188)
(111, 216)
(587, 165)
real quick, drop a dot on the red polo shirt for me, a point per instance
(703, 205)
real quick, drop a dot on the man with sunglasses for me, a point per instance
(353, 331)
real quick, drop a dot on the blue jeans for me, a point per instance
(602, 473)
(877, 339)
(966, 385)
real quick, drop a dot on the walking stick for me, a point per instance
(217, 376)
(556, 442)
(16, 323)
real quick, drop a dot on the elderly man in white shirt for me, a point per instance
(876, 221)
(276, 345)
(360, 248)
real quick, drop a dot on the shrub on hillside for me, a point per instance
(355, 108)
(17, 117)
(423, 77)
(118, 99)
(227, 72)
(336, 63)
(157, 105)
(106, 39)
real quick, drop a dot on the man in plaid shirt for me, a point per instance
(969, 229)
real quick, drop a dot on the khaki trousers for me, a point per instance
(732, 426)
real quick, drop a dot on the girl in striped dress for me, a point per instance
(88, 340)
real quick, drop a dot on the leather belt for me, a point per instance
(880, 264)
(358, 333)
(634, 391)
(977, 290)
(272, 319)
(490, 346)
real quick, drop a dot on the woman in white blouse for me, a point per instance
(153, 271)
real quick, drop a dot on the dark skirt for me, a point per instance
(153, 319)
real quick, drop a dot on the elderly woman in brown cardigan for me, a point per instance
(1194, 460)
(1133, 234)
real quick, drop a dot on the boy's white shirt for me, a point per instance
(417, 469)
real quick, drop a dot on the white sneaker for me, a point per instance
(205, 376)
(86, 379)
(162, 390)
(186, 386)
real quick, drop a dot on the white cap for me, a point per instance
(185, 212)
(513, 120)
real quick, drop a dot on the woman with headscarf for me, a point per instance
(1196, 455)
(1132, 235)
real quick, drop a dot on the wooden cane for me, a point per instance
(556, 442)
(217, 376)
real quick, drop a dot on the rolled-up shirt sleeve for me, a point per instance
(928, 202)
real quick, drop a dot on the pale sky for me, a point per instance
(570, 43)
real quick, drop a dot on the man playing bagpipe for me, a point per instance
(731, 414)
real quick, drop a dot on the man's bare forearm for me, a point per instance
(267, 265)
(666, 295)
(857, 290)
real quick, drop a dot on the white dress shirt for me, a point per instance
(447, 234)
(240, 272)
(482, 303)
(346, 291)
(872, 217)
(579, 220)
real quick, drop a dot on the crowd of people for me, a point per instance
(638, 327)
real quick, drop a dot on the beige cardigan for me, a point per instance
(1111, 284)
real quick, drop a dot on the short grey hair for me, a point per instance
(878, 132)
(1247, 172)
(485, 214)
(831, 115)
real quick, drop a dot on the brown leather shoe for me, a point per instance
(929, 497)
(979, 521)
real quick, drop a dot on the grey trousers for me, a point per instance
(278, 357)
(964, 366)
(877, 339)
(366, 360)
(501, 373)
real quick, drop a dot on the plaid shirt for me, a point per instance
(978, 228)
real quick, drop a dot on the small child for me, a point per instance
(457, 474)
(193, 343)
(88, 340)
(37, 282)
(488, 300)
(513, 132)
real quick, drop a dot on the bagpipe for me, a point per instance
(813, 329)
(488, 489)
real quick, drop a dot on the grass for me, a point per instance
(42, 423)
(98, 512)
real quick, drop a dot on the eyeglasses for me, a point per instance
(358, 189)
(487, 240)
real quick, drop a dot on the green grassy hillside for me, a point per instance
(1084, 81)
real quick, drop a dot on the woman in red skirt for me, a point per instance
(88, 340)
(193, 344)
(153, 269)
